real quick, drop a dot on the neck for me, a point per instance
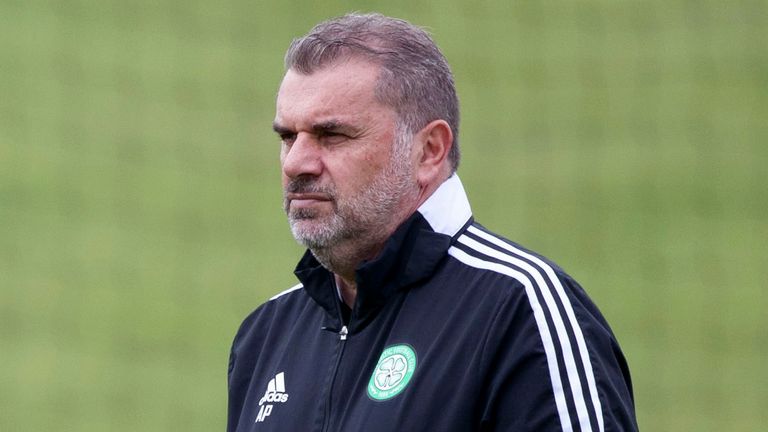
(348, 290)
(343, 260)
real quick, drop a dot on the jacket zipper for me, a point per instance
(342, 340)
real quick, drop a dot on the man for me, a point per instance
(410, 316)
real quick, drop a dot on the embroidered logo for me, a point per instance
(393, 372)
(275, 394)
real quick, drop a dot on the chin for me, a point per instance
(309, 234)
(315, 244)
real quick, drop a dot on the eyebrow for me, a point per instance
(279, 129)
(329, 126)
(319, 128)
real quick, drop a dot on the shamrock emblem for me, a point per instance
(391, 371)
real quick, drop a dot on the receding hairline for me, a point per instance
(347, 60)
(366, 92)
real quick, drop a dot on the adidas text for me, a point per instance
(274, 397)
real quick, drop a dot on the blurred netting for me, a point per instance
(140, 211)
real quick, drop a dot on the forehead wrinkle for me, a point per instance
(318, 112)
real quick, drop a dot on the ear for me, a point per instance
(434, 141)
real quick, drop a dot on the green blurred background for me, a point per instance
(140, 214)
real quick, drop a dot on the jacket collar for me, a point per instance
(410, 255)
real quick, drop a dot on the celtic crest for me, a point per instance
(393, 372)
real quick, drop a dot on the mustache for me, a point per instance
(308, 185)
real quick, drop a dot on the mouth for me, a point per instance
(304, 200)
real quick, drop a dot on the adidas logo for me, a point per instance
(275, 393)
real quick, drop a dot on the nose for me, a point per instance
(302, 157)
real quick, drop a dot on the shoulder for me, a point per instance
(536, 286)
(286, 292)
(281, 300)
(553, 295)
(531, 291)
(257, 329)
(279, 304)
(482, 249)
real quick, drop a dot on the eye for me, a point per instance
(330, 137)
(287, 137)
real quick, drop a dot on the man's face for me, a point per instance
(347, 175)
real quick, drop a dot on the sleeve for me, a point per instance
(242, 358)
(552, 363)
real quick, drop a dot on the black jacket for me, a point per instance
(453, 329)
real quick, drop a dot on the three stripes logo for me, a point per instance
(275, 394)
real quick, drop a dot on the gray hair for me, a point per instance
(415, 78)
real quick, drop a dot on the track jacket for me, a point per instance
(453, 329)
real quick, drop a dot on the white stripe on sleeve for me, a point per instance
(566, 302)
(541, 323)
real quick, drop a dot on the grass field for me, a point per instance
(140, 211)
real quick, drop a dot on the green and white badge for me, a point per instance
(392, 373)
